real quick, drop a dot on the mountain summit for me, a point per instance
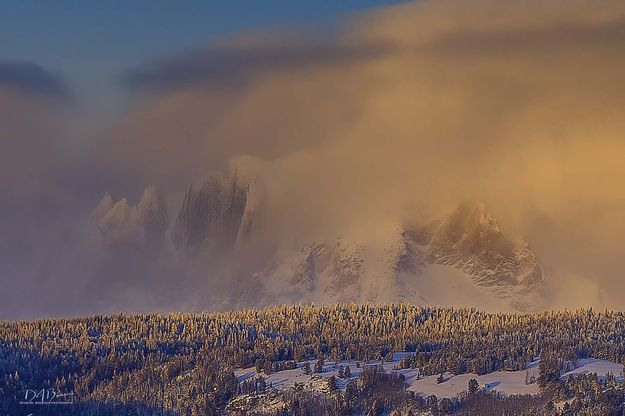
(470, 240)
(462, 259)
(212, 215)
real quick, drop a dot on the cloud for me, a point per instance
(410, 108)
(28, 142)
(400, 112)
(38, 212)
(235, 63)
(33, 79)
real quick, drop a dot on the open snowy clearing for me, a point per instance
(601, 367)
(506, 382)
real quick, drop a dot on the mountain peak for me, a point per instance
(152, 213)
(473, 217)
(149, 198)
(380, 263)
(103, 206)
(211, 213)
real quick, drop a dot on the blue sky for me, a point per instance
(90, 42)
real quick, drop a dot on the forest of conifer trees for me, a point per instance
(184, 364)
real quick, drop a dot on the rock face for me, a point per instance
(324, 272)
(435, 263)
(152, 212)
(468, 242)
(209, 219)
(123, 223)
(471, 240)
(212, 215)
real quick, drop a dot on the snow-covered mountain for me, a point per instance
(461, 259)
(470, 240)
(120, 222)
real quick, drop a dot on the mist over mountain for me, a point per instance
(355, 149)
(462, 259)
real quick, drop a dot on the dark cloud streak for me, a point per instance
(547, 40)
(224, 67)
(33, 79)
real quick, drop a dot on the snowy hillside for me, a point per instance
(505, 382)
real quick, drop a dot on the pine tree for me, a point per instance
(319, 366)
(473, 386)
(306, 368)
(549, 371)
(446, 406)
(332, 386)
(440, 379)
